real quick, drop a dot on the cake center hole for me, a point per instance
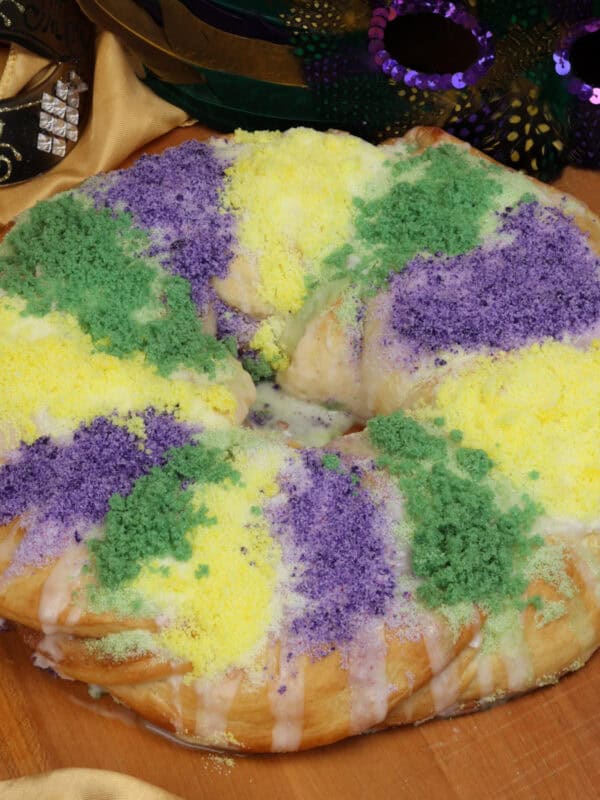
(585, 58)
(430, 43)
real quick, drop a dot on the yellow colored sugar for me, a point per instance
(52, 379)
(266, 341)
(222, 618)
(535, 410)
(293, 196)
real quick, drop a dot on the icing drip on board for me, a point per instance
(214, 700)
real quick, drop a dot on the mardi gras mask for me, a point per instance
(43, 124)
(519, 79)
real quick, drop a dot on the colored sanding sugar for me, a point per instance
(122, 646)
(222, 601)
(232, 323)
(69, 257)
(464, 546)
(291, 194)
(475, 463)
(535, 411)
(175, 197)
(543, 282)
(154, 520)
(65, 489)
(257, 366)
(333, 534)
(441, 212)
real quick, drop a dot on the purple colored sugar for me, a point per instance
(63, 490)
(232, 322)
(545, 282)
(175, 197)
(333, 537)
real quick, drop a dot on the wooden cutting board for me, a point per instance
(543, 745)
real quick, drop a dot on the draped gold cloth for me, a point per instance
(125, 116)
(81, 784)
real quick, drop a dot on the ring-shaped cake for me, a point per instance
(255, 589)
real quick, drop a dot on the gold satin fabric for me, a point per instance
(125, 116)
(81, 784)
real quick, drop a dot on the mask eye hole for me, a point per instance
(430, 43)
(584, 56)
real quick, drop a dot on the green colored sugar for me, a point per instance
(154, 520)
(123, 602)
(528, 197)
(332, 462)
(464, 546)
(163, 570)
(548, 564)
(122, 646)
(69, 257)
(475, 462)
(550, 611)
(456, 436)
(503, 630)
(258, 368)
(201, 571)
(458, 617)
(442, 212)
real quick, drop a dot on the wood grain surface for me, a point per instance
(543, 745)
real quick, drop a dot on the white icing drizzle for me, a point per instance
(287, 706)
(367, 678)
(50, 647)
(58, 589)
(310, 424)
(485, 675)
(408, 707)
(410, 679)
(568, 528)
(175, 682)
(438, 655)
(445, 689)
(518, 667)
(214, 701)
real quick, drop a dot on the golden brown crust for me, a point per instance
(243, 712)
